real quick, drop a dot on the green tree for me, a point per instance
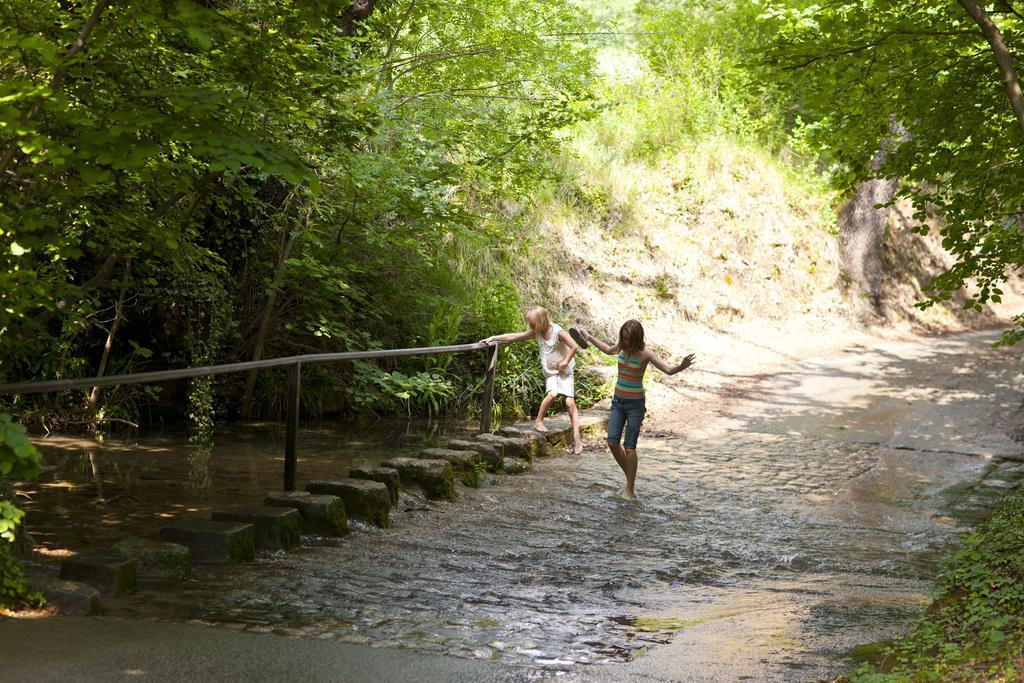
(255, 178)
(928, 85)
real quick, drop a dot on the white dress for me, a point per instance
(552, 352)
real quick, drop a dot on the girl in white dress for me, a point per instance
(556, 361)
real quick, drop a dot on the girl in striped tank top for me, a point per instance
(628, 405)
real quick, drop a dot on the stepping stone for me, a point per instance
(367, 500)
(69, 597)
(516, 465)
(489, 453)
(1000, 484)
(559, 433)
(536, 439)
(213, 542)
(510, 446)
(320, 514)
(157, 560)
(592, 421)
(275, 528)
(466, 465)
(1008, 471)
(435, 476)
(384, 475)
(111, 574)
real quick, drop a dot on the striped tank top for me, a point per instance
(630, 382)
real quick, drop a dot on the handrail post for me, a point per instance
(488, 403)
(292, 429)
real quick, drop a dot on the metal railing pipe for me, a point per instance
(294, 366)
(21, 388)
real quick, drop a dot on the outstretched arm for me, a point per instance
(564, 337)
(604, 348)
(669, 369)
(508, 337)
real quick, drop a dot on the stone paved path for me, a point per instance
(763, 548)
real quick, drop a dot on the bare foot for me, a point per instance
(539, 426)
(577, 449)
(628, 495)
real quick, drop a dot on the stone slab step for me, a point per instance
(489, 453)
(364, 499)
(68, 597)
(467, 465)
(384, 475)
(512, 446)
(157, 560)
(213, 542)
(321, 514)
(516, 465)
(592, 422)
(436, 477)
(275, 528)
(109, 573)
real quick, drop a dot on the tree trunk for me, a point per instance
(105, 358)
(1002, 55)
(266, 315)
(353, 14)
(862, 221)
(861, 231)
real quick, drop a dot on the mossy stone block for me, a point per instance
(436, 477)
(68, 597)
(510, 446)
(538, 442)
(109, 573)
(384, 475)
(157, 560)
(213, 542)
(364, 499)
(516, 465)
(276, 528)
(489, 454)
(321, 514)
(467, 465)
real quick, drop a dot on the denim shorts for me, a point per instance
(626, 413)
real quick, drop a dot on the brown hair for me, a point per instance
(538, 320)
(631, 337)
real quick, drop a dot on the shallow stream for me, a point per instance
(816, 545)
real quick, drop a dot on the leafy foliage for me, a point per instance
(19, 459)
(260, 180)
(13, 588)
(975, 628)
(881, 90)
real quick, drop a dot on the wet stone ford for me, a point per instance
(551, 570)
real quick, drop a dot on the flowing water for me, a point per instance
(782, 549)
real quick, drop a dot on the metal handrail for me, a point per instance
(21, 388)
(293, 363)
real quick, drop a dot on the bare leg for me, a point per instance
(538, 424)
(618, 454)
(630, 469)
(574, 419)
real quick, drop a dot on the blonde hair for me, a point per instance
(538, 320)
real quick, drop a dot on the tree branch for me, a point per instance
(58, 77)
(1004, 61)
(1009, 6)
